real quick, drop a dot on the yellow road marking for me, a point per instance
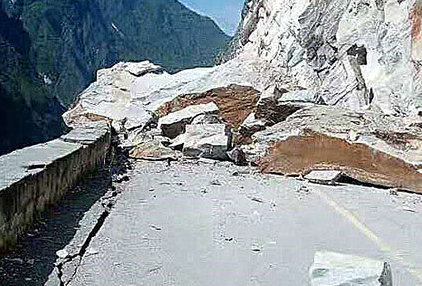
(371, 235)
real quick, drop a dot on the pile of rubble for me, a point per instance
(288, 131)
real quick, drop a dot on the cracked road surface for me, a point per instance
(204, 224)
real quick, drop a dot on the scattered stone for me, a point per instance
(154, 151)
(353, 135)
(207, 161)
(256, 247)
(120, 178)
(303, 189)
(15, 260)
(304, 95)
(208, 141)
(408, 209)
(141, 68)
(207, 119)
(394, 192)
(330, 268)
(256, 199)
(62, 254)
(174, 124)
(325, 177)
(215, 182)
(237, 156)
(30, 261)
(92, 251)
(155, 227)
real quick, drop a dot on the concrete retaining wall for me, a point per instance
(35, 177)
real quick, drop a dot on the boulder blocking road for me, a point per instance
(213, 223)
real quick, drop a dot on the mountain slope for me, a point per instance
(29, 113)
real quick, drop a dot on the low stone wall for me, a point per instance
(35, 177)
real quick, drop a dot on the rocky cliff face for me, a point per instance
(352, 52)
(53, 49)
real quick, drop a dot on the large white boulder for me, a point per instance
(334, 269)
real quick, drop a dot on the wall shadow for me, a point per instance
(33, 259)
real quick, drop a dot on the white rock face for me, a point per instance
(352, 52)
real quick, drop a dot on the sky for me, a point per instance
(225, 12)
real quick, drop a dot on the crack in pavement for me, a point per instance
(82, 250)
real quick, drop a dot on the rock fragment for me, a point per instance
(207, 119)
(237, 156)
(207, 141)
(325, 177)
(252, 125)
(330, 268)
(62, 254)
(142, 68)
(175, 123)
(154, 151)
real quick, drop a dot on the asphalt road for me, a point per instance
(204, 224)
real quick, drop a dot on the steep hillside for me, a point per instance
(29, 113)
(65, 42)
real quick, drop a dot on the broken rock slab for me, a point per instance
(384, 151)
(208, 141)
(330, 268)
(175, 123)
(324, 177)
